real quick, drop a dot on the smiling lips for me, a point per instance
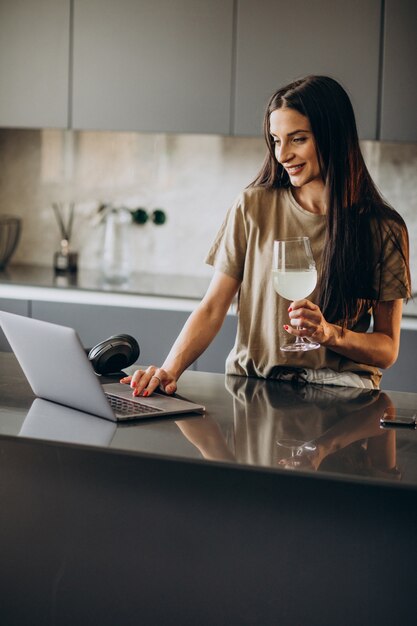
(295, 169)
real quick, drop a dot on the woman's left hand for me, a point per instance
(307, 320)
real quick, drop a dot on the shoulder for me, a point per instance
(390, 245)
(259, 193)
(386, 225)
(383, 217)
(254, 199)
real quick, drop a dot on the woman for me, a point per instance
(313, 183)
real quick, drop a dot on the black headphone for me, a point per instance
(113, 354)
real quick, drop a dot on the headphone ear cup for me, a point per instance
(113, 354)
(131, 343)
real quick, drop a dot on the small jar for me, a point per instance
(65, 260)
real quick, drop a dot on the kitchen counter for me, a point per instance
(163, 285)
(218, 519)
(165, 291)
(332, 432)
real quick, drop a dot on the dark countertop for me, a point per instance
(161, 285)
(249, 423)
(195, 520)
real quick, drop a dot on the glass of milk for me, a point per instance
(294, 277)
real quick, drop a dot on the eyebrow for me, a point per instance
(294, 132)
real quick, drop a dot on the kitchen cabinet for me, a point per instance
(20, 307)
(34, 63)
(200, 66)
(160, 65)
(399, 87)
(402, 376)
(214, 358)
(278, 41)
(154, 329)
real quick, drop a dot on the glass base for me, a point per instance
(301, 346)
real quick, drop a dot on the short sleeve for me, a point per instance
(228, 251)
(391, 276)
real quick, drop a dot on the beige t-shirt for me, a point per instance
(243, 249)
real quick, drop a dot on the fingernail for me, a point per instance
(285, 326)
(289, 309)
(145, 393)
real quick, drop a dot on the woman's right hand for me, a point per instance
(144, 382)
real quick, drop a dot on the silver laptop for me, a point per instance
(57, 368)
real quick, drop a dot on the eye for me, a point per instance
(299, 139)
(275, 140)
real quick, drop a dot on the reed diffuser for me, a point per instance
(65, 260)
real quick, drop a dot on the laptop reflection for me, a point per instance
(54, 422)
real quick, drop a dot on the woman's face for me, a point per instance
(295, 147)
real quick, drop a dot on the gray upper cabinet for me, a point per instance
(399, 85)
(34, 63)
(278, 41)
(152, 65)
(201, 66)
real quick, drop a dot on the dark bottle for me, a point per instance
(65, 261)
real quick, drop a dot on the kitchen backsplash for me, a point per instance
(193, 178)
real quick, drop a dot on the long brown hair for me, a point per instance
(359, 223)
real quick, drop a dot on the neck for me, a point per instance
(311, 198)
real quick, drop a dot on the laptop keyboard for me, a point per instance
(123, 407)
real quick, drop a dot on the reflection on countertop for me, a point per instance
(260, 424)
(318, 428)
(161, 285)
(309, 428)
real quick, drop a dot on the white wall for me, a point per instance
(194, 178)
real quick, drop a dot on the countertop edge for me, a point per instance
(331, 478)
(104, 298)
(130, 300)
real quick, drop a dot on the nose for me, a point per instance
(283, 153)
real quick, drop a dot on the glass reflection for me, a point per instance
(313, 428)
